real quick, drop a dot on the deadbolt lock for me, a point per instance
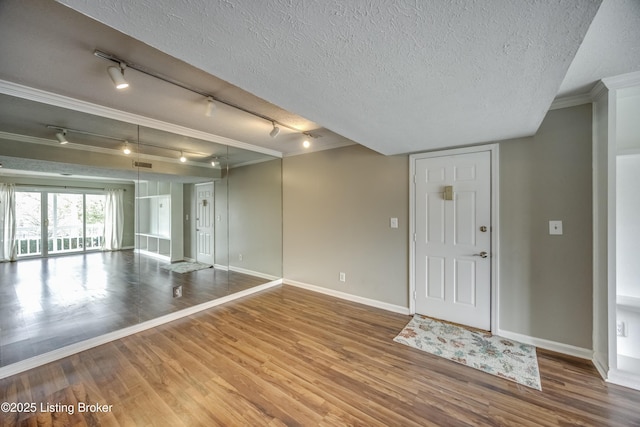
(483, 228)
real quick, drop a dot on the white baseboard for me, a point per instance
(624, 378)
(221, 267)
(599, 362)
(349, 297)
(252, 273)
(72, 349)
(558, 347)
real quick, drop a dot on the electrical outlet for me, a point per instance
(620, 329)
(343, 277)
(177, 291)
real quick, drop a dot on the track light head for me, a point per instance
(62, 137)
(126, 149)
(117, 76)
(182, 157)
(275, 131)
(211, 107)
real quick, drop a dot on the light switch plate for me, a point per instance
(555, 227)
(394, 223)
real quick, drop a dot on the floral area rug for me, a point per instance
(480, 350)
(185, 267)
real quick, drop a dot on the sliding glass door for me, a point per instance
(65, 223)
(53, 223)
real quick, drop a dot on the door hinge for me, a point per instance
(415, 295)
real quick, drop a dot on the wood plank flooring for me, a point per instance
(48, 303)
(291, 357)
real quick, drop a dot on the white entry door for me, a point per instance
(453, 238)
(205, 223)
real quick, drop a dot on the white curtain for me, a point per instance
(8, 242)
(113, 220)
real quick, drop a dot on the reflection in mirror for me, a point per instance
(104, 238)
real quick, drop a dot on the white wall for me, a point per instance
(628, 226)
(627, 117)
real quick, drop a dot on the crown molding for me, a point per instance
(570, 101)
(622, 81)
(38, 95)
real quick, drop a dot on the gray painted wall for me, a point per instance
(255, 217)
(546, 281)
(337, 205)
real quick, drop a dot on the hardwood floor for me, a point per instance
(288, 356)
(48, 303)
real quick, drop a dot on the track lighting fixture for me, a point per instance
(306, 142)
(275, 131)
(211, 107)
(126, 147)
(117, 76)
(62, 137)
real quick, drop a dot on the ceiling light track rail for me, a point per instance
(65, 130)
(126, 64)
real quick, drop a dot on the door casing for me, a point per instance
(494, 224)
(211, 212)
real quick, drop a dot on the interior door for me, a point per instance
(452, 242)
(205, 223)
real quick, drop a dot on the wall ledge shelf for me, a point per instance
(628, 303)
(156, 236)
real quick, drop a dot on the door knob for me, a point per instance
(482, 254)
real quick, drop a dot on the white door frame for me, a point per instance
(495, 288)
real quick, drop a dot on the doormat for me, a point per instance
(186, 267)
(480, 350)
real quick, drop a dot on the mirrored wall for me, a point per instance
(116, 224)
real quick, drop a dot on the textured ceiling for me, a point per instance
(610, 48)
(48, 46)
(397, 76)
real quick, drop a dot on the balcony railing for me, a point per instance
(60, 239)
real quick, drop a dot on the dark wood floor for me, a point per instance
(287, 356)
(48, 303)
